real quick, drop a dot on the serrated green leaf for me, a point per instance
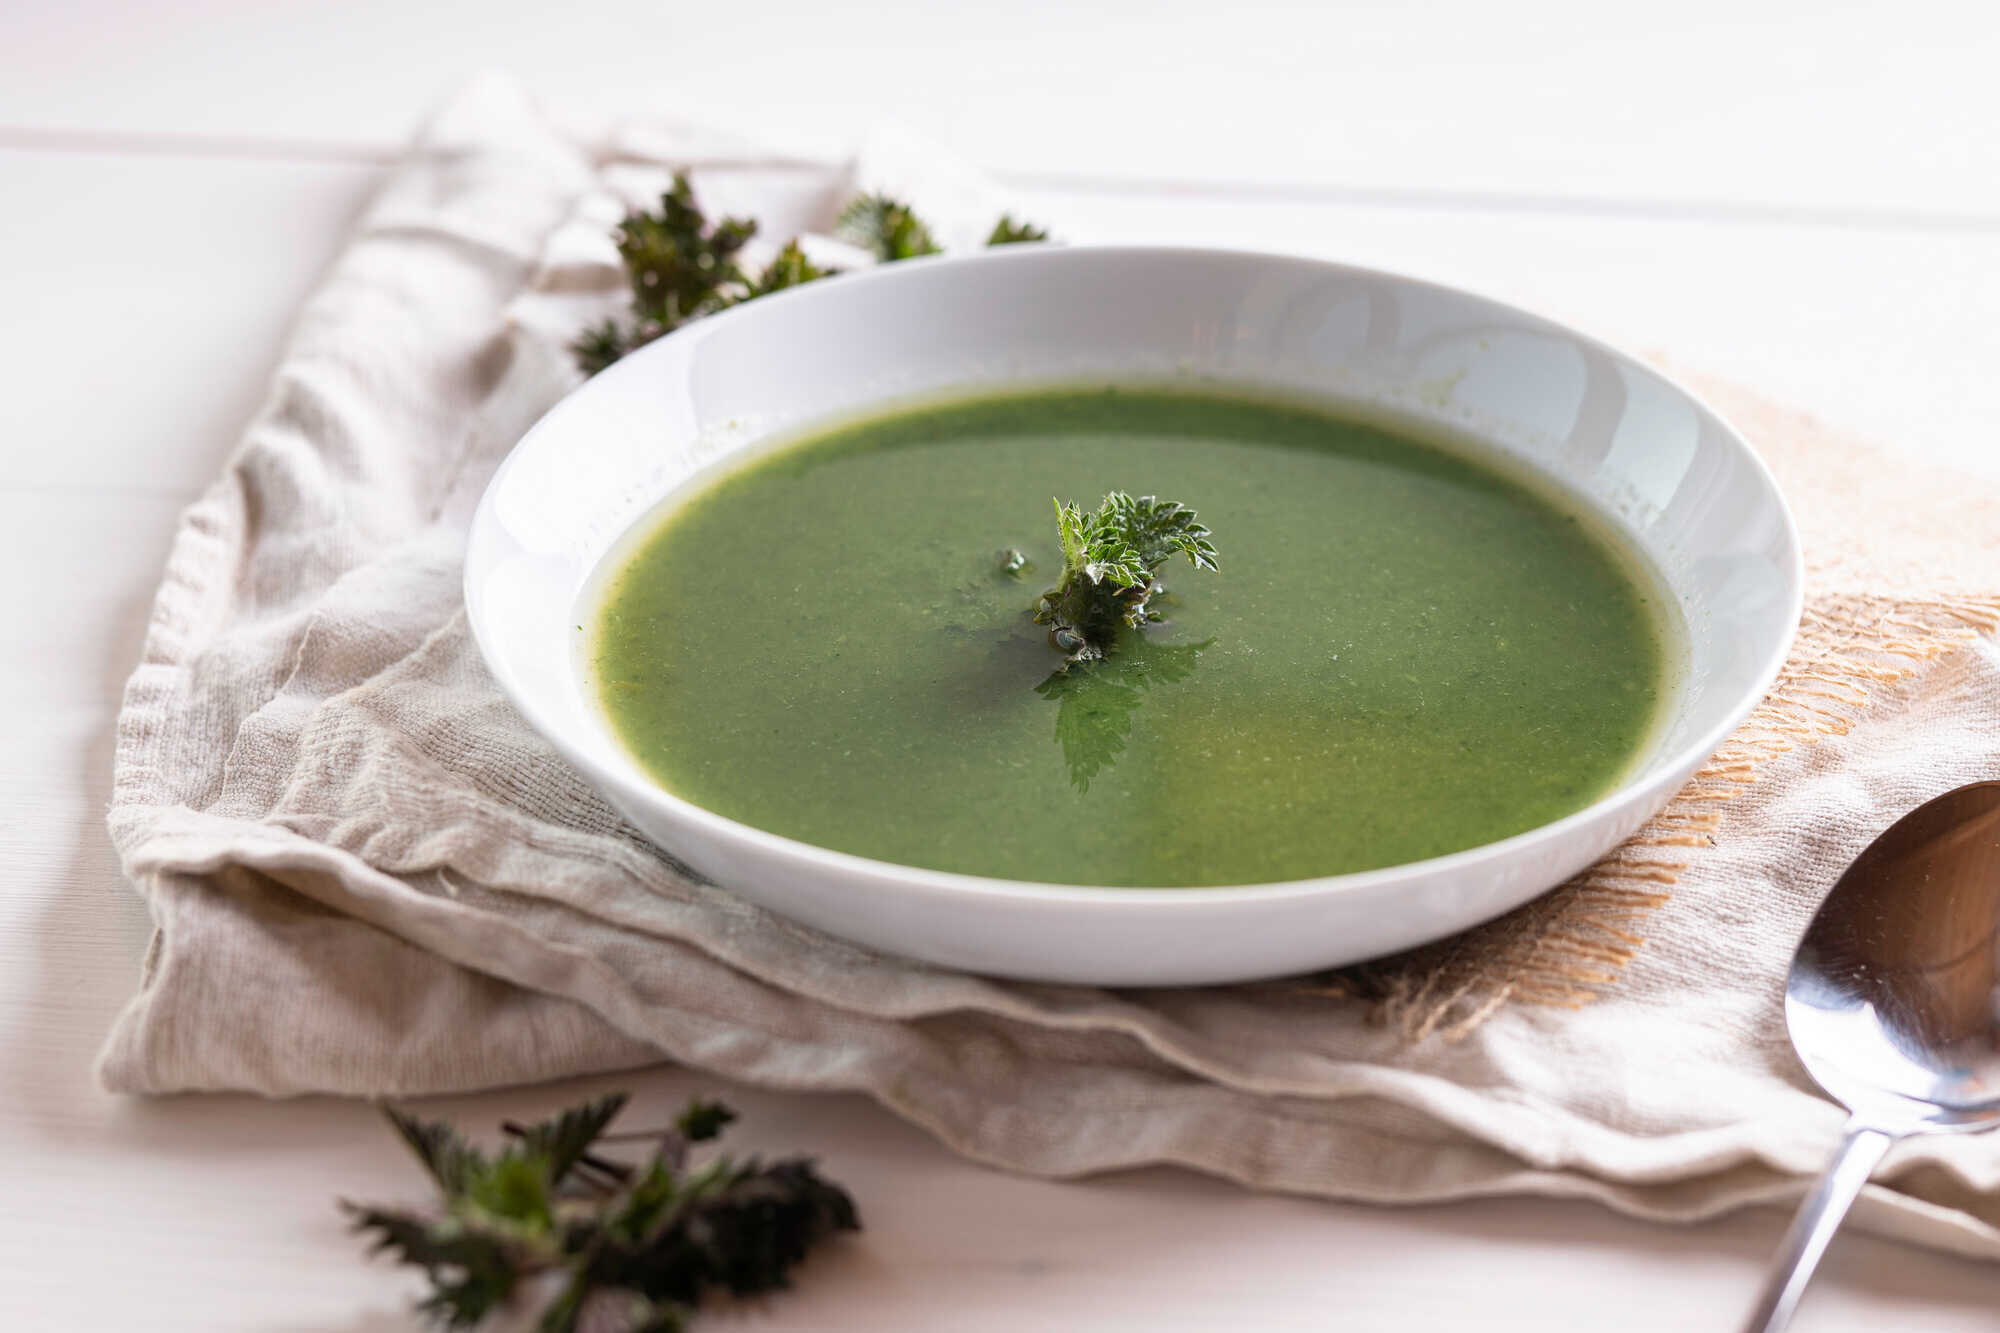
(678, 264)
(600, 345)
(885, 227)
(513, 1188)
(562, 1140)
(442, 1150)
(1009, 232)
(790, 268)
(1096, 700)
(703, 1120)
(472, 1272)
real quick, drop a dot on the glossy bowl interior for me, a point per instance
(1645, 457)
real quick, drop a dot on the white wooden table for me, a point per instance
(1807, 200)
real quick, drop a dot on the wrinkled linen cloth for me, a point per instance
(370, 877)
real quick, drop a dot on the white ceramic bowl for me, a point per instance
(1638, 450)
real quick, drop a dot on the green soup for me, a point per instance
(1403, 654)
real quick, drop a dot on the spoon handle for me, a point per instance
(1818, 1218)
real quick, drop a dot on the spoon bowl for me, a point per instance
(1893, 1003)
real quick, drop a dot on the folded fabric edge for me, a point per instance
(1099, 1138)
(1373, 1167)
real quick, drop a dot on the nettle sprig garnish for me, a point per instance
(1111, 564)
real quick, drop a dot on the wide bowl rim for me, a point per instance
(1641, 790)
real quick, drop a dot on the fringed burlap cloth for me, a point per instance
(370, 878)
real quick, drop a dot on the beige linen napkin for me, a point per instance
(369, 877)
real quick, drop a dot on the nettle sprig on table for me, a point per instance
(681, 267)
(623, 1247)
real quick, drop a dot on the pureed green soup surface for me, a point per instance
(1403, 654)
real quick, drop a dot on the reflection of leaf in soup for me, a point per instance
(1095, 701)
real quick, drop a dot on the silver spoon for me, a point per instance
(1894, 1005)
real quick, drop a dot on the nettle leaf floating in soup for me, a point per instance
(1111, 563)
(1096, 701)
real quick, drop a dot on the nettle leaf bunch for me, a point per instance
(620, 1247)
(681, 266)
(1111, 563)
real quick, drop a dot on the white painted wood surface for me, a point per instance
(1804, 196)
